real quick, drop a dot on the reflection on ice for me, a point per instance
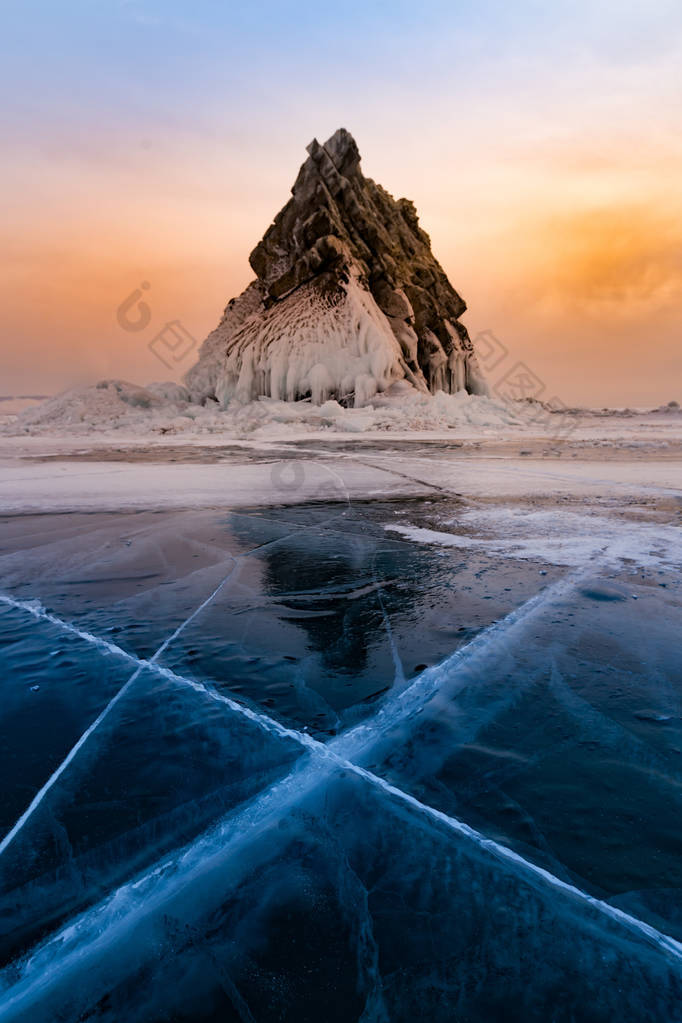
(317, 626)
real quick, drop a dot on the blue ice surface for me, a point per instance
(410, 810)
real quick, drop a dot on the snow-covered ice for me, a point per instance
(557, 537)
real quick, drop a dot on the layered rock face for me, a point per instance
(348, 299)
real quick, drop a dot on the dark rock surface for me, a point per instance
(340, 232)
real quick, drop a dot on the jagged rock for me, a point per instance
(348, 299)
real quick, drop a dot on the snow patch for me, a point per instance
(554, 537)
(163, 408)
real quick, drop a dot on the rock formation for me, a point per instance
(348, 299)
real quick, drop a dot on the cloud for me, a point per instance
(623, 260)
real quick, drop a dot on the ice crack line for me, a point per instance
(399, 675)
(104, 713)
(328, 753)
(37, 611)
(406, 476)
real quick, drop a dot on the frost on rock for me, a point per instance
(348, 300)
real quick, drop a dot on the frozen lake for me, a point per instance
(333, 732)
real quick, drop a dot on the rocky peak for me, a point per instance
(340, 231)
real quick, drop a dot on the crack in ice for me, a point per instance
(341, 753)
(36, 609)
(104, 713)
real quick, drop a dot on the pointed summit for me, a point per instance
(348, 299)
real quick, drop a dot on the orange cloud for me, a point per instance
(623, 260)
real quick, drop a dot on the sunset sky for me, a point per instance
(152, 140)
